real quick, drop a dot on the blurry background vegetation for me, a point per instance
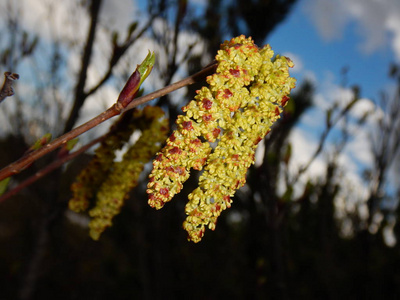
(272, 244)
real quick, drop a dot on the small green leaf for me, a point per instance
(146, 66)
(44, 140)
(66, 148)
(71, 144)
(3, 185)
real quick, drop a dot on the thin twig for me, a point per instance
(50, 168)
(79, 93)
(117, 54)
(330, 125)
(173, 87)
(22, 163)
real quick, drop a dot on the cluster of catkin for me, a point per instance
(220, 131)
(109, 181)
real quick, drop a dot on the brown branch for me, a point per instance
(26, 160)
(22, 163)
(211, 68)
(48, 169)
(7, 89)
(119, 50)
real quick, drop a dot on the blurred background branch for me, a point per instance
(7, 88)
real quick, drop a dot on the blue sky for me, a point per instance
(322, 37)
(347, 44)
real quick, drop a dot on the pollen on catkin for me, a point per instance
(125, 174)
(244, 98)
(110, 182)
(90, 178)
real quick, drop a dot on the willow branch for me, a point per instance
(22, 163)
(50, 168)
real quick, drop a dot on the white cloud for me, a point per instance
(364, 106)
(48, 18)
(328, 17)
(393, 24)
(117, 15)
(355, 156)
(304, 146)
(377, 22)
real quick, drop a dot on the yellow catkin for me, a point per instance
(244, 98)
(109, 182)
(125, 174)
(90, 178)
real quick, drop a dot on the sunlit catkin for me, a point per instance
(244, 98)
(109, 182)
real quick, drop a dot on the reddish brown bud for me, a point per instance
(130, 89)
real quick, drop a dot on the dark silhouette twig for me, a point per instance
(50, 168)
(118, 52)
(80, 95)
(330, 124)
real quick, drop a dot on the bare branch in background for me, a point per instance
(7, 89)
(50, 168)
(330, 124)
(79, 97)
